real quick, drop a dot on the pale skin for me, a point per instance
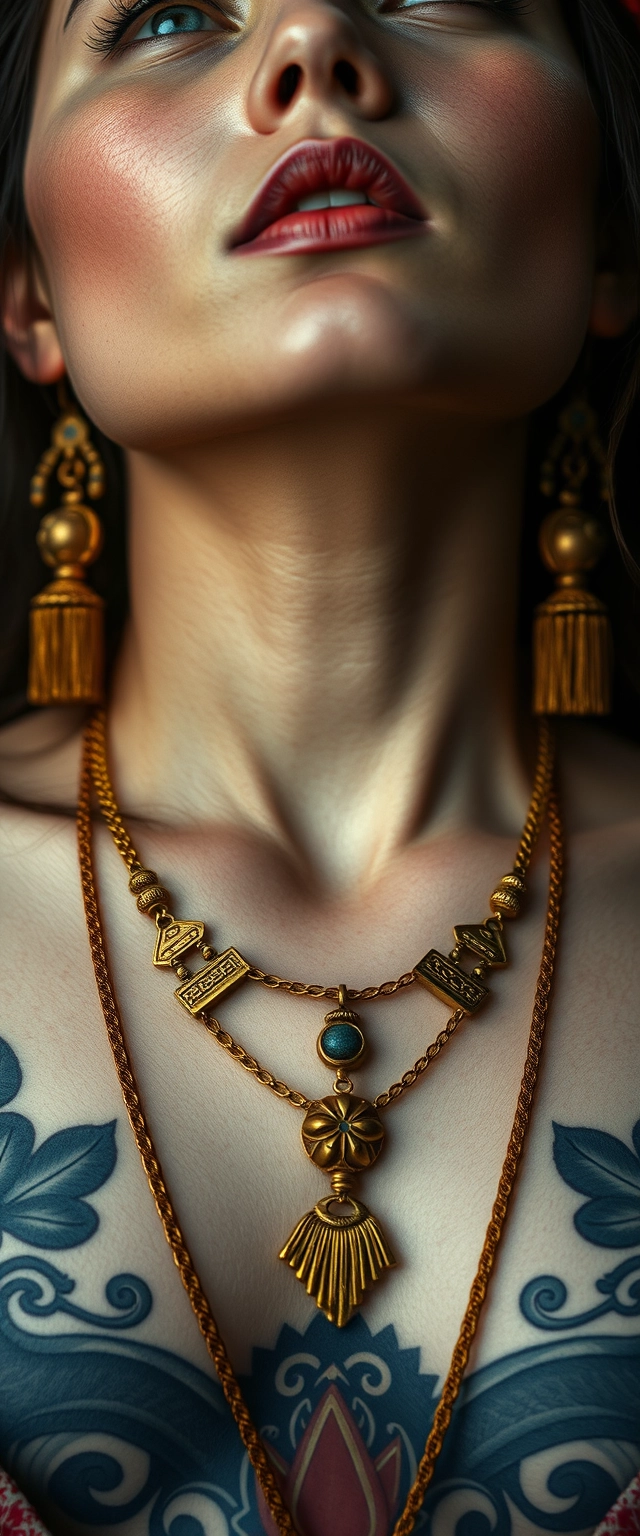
(314, 727)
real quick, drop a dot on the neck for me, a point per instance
(321, 635)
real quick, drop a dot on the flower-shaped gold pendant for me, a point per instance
(342, 1131)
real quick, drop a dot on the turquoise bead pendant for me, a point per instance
(341, 1043)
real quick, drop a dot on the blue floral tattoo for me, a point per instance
(604, 1168)
(99, 1427)
(42, 1193)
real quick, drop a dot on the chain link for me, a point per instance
(409, 1078)
(311, 989)
(238, 1053)
(97, 746)
(542, 778)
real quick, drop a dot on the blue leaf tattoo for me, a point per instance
(603, 1167)
(42, 1202)
(42, 1193)
(16, 1140)
(10, 1074)
(72, 1162)
(611, 1223)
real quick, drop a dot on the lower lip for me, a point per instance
(331, 229)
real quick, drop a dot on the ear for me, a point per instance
(29, 328)
(614, 303)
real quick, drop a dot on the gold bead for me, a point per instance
(571, 541)
(182, 972)
(506, 897)
(207, 952)
(70, 536)
(505, 901)
(515, 882)
(140, 879)
(155, 896)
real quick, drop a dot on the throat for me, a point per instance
(314, 641)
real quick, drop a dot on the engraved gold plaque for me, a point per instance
(175, 939)
(448, 982)
(483, 939)
(212, 981)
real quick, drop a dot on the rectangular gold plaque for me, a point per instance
(212, 981)
(448, 982)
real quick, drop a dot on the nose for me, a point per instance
(315, 52)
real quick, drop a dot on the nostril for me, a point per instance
(288, 84)
(347, 77)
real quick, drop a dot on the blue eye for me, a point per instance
(177, 19)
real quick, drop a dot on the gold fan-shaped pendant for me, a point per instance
(338, 1250)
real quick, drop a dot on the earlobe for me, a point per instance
(614, 303)
(29, 329)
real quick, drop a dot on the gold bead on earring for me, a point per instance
(66, 658)
(571, 635)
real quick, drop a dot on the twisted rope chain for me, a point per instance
(109, 807)
(206, 1321)
(459, 1359)
(150, 1162)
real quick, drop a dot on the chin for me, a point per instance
(350, 332)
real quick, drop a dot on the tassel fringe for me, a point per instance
(66, 662)
(338, 1257)
(572, 655)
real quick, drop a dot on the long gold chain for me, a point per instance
(459, 1359)
(206, 1321)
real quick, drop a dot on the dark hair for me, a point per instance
(607, 39)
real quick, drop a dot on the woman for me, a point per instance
(314, 268)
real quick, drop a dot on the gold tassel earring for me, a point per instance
(571, 633)
(66, 659)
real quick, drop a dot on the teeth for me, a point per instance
(336, 197)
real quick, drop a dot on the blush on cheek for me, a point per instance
(103, 192)
(527, 125)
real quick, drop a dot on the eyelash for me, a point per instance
(505, 8)
(109, 31)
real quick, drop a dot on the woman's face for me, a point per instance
(156, 126)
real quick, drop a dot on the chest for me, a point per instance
(110, 1411)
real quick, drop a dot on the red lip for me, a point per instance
(273, 224)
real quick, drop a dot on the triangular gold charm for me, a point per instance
(484, 939)
(178, 936)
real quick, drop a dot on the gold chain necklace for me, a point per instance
(341, 1134)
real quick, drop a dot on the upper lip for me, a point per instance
(316, 164)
